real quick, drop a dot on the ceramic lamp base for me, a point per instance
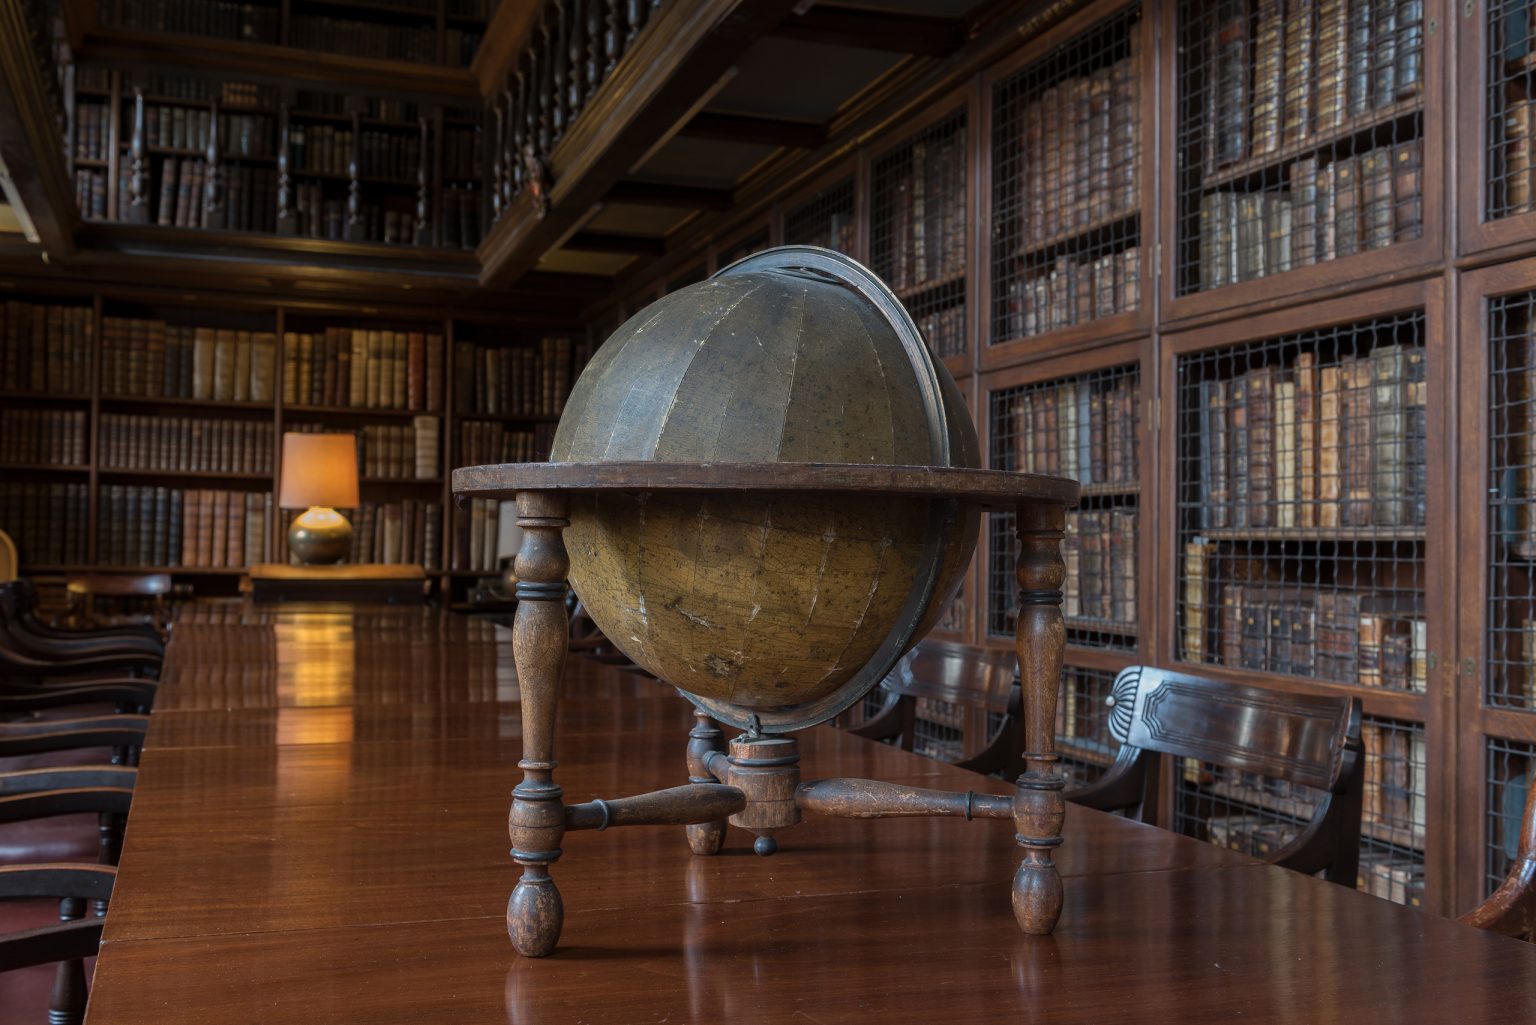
(320, 536)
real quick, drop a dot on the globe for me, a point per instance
(770, 611)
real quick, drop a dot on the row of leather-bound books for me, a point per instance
(145, 525)
(91, 193)
(1279, 72)
(1373, 639)
(149, 358)
(1314, 445)
(93, 130)
(221, 19)
(364, 368)
(1083, 429)
(925, 216)
(187, 444)
(520, 381)
(57, 437)
(1072, 290)
(328, 150)
(246, 196)
(45, 347)
(168, 126)
(46, 521)
(482, 442)
(477, 536)
(1076, 154)
(392, 451)
(1351, 205)
(1099, 551)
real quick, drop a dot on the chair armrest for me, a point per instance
(68, 777)
(51, 944)
(59, 879)
(1511, 909)
(47, 803)
(1123, 786)
(35, 737)
(36, 698)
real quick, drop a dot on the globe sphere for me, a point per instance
(773, 610)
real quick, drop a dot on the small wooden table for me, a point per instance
(319, 836)
(387, 583)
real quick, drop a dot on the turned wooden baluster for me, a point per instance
(66, 1001)
(595, 65)
(540, 637)
(1038, 808)
(497, 144)
(287, 222)
(704, 738)
(138, 199)
(558, 75)
(545, 86)
(355, 227)
(512, 177)
(213, 192)
(634, 19)
(612, 38)
(423, 234)
(576, 53)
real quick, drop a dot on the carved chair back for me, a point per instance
(10, 563)
(1308, 740)
(970, 692)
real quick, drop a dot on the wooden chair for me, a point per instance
(978, 689)
(19, 633)
(23, 594)
(10, 562)
(1313, 741)
(1511, 909)
(76, 937)
(86, 589)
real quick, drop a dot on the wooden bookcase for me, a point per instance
(827, 214)
(83, 526)
(1495, 90)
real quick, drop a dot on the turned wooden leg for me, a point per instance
(66, 1001)
(1038, 808)
(540, 638)
(705, 837)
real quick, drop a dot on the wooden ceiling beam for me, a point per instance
(684, 51)
(663, 194)
(612, 242)
(764, 131)
(912, 34)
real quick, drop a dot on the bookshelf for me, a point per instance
(1067, 189)
(754, 239)
(918, 228)
(208, 153)
(421, 31)
(1304, 145)
(161, 446)
(827, 217)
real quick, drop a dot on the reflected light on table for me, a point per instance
(316, 660)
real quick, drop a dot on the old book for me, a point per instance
(357, 368)
(1376, 190)
(1268, 77)
(1306, 439)
(1357, 69)
(242, 366)
(1261, 446)
(1285, 454)
(1407, 191)
(1329, 477)
(1384, 39)
(1332, 58)
(1277, 232)
(1121, 584)
(204, 363)
(1347, 207)
(1227, 103)
(1250, 237)
(1326, 216)
(1390, 435)
(263, 358)
(1297, 94)
(1517, 156)
(290, 368)
(1238, 470)
(1416, 432)
(1358, 446)
(1214, 473)
(1197, 557)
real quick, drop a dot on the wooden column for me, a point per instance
(1038, 808)
(540, 639)
(594, 45)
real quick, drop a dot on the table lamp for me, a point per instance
(319, 474)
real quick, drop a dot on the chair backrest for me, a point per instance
(1300, 738)
(10, 562)
(968, 693)
(1511, 909)
(1309, 740)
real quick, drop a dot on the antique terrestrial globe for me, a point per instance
(770, 612)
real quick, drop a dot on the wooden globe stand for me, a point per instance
(754, 780)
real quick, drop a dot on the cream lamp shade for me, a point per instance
(318, 470)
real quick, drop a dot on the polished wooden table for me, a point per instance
(319, 835)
